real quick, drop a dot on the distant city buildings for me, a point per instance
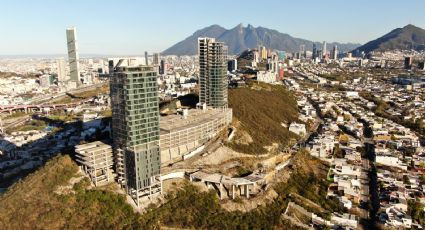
(73, 58)
(135, 129)
(212, 72)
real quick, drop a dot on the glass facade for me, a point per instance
(135, 125)
(212, 72)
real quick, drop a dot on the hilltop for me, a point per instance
(260, 112)
(241, 38)
(406, 38)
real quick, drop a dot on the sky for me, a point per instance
(130, 27)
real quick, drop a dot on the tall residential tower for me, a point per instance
(71, 37)
(135, 130)
(212, 72)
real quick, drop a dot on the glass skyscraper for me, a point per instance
(135, 129)
(71, 37)
(212, 72)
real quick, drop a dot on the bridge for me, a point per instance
(32, 108)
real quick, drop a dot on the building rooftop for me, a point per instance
(192, 118)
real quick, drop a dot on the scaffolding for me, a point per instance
(95, 160)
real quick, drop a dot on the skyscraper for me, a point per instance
(155, 59)
(163, 68)
(135, 130)
(324, 49)
(73, 58)
(334, 53)
(61, 70)
(302, 50)
(146, 58)
(314, 55)
(212, 72)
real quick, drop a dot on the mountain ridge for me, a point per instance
(240, 38)
(407, 37)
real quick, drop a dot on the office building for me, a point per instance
(146, 58)
(61, 70)
(334, 53)
(302, 51)
(408, 62)
(324, 49)
(73, 58)
(212, 72)
(263, 52)
(281, 55)
(232, 65)
(135, 130)
(163, 68)
(314, 51)
(156, 59)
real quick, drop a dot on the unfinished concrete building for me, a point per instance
(182, 136)
(96, 161)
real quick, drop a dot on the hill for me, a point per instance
(36, 203)
(258, 113)
(406, 38)
(241, 38)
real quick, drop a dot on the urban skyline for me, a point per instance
(46, 39)
(241, 128)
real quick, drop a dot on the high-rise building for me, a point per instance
(263, 52)
(135, 129)
(146, 58)
(155, 59)
(314, 55)
(61, 70)
(408, 62)
(324, 48)
(212, 72)
(73, 58)
(334, 53)
(302, 50)
(232, 65)
(163, 68)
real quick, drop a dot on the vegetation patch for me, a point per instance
(261, 109)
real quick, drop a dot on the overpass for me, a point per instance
(31, 108)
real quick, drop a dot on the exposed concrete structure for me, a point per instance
(96, 161)
(223, 183)
(182, 134)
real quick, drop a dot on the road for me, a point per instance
(44, 99)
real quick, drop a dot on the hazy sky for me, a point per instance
(133, 26)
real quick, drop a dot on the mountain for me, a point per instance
(241, 38)
(408, 37)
